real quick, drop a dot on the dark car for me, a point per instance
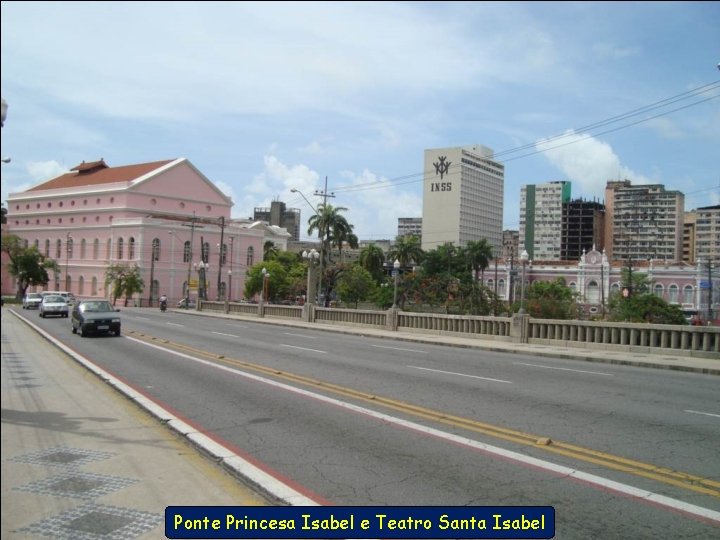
(95, 317)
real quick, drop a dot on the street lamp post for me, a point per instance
(311, 257)
(153, 258)
(222, 254)
(265, 278)
(396, 270)
(524, 258)
(202, 267)
(68, 239)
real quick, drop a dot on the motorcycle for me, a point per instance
(163, 305)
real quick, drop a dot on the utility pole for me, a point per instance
(325, 232)
(222, 254)
(189, 272)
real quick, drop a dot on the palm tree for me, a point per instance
(478, 254)
(329, 224)
(407, 250)
(372, 259)
(270, 250)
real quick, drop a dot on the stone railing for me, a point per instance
(690, 340)
(700, 341)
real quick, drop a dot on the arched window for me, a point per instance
(615, 287)
(47, 247)
(491, 284)
(83, 246)
(688, 294)
(36, 243)
(131, 248)
(250, 256)
(81, 285)
(658, 290)
(573, 286)
(223, 255)
(96, 249)
(186, 251)
(120, 243)
(58, 249)
(673, 294)
(108, 250)
(69, 246)
(501, 287)
(206, 252)
(94, 289)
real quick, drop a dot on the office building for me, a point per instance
(279, 215)
(541, 210)
(707, 234)
(643, 222)
(583, 224)
(410, 226)
(462, 197)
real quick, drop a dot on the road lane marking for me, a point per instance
(399, 349)
(565, 369)
(175, 324)
(461, 374)
(302, 348)
(300, 335)
(568, 472)
(700, 412)
(227, 335)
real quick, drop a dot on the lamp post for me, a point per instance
(396, 270)
(222, 254)
(524, 258)
(202, 268)
(311, 257)
(68, 239)
(265, 278)
(153, 258)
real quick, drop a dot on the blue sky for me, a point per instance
(266, 97)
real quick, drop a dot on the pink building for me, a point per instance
(97, 215)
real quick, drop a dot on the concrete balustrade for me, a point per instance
(700, 341)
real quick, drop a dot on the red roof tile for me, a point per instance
(97, 173)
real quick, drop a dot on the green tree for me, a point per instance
(278, 284)
(27, 264)
(407, 250)
(270, 250)
(372, 259)
(478, 254)
(646, 307)
(123, 281)
(551, 300)
(355, 285)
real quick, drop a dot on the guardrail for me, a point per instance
(699, 341)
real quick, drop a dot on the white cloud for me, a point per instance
(587, 162)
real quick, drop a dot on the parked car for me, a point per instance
(32, 300)
(68, 296)
(53, 304)
(95, 317)
(184, 304)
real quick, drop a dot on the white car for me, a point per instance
(32, 300)
(53, 304)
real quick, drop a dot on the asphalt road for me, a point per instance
(359, 421)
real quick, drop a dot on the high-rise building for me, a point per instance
(280, 216)
(462, 197)
(511, 241)
(643, 222)
(583, 224)
(410, 226)
(707, 234)
(541, 208)
(688, 253)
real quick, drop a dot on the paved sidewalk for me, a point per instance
(660, 360)
(81, 461)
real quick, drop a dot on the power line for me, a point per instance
(416, 177)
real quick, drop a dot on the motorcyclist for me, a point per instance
(163, 302)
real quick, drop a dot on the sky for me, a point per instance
(267, 97)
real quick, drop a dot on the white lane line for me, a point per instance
(300, 335)
(238, 326)
(587, 478)
(227, 335)
(565, 369)
(175, 324)
(461, 374)
(700, 412)
(399, 349)
(302, 348)
(141, 318)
